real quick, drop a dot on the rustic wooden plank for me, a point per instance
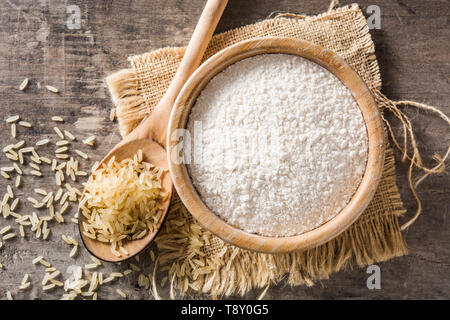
(413, 52)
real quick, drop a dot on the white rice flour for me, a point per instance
(284, 145)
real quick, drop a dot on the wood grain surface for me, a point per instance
(413, 52)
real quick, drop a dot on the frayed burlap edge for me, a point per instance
(196, 260)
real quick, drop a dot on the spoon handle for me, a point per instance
(156, 125)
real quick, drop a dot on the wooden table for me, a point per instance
(413, 51)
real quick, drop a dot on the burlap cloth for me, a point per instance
(196, 260)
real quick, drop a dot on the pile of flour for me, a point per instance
(283, 145)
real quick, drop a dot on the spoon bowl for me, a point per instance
(155, 154)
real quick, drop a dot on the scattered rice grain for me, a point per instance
(45, 263)
(46, 234)
(5, 229)
(73, 252)
(42, 192)
(121, 293)
(14, 204)
(46, 160)
(36, 173)
(112, 114)
(13, 119)
(59, 133)
(5, 175)
(69, 135)
(37, 259)
(35, 166)
(24, 84)
(9, 236)
(62, 143)
(17, 168)
(25, 278)
(48, 287)
(57, 119)
(19, 144)
(90, 141)
(127, 272)
(12, 157)
(10, 191)
(13, 130)
(25, 124)
(51, 89)
(82, 154)
(42, 142)
(61, 150)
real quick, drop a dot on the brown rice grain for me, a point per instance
(90, 141)
(25, 278)
(61, 150)
(46, 234)
(64, 208)
(42, 192)
(61, 143)
(35, 166)
(8, 236)
(127, 272)
(13, 119)
(19, 144)
(48, 287)
(5, 230)
(45, 263)
(36, 173)
(43, 142)
(14, 204)
(82, 154)
(73, 252)
(5, 175)
(10, 191)
(25, 286)
(12, 157)
(112, 114)
(46, 160)
(69, 135)
(51, 89)
(17, 168)
(22, 231)
(62, 156)
(121, 293)
(57, 119)
(25, 124)
(13, 130)
(24, 84)
(58, 132)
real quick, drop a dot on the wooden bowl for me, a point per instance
(365, 101)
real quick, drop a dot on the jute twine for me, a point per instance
(197, 261)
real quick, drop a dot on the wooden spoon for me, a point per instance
(150, 135)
